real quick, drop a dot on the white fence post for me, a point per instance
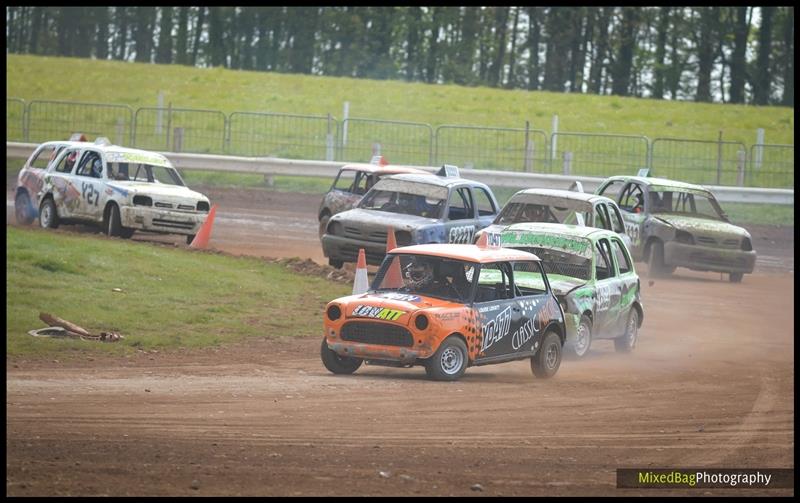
(554, 137)
(329, 142)
(740, 165)
(160, 106)
(759, 150)
(345, 114)
(567, 163)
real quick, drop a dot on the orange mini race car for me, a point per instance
(447, 307)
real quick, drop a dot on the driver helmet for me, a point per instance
(418, 274)
(97, 168)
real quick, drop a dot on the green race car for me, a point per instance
(675, 224)
(592, 274)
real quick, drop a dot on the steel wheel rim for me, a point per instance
(551, 356)
(632, 330)
(581, 339)
(46, 216)
(451, 361)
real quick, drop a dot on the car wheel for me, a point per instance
(113, 224)
(338, 264)
(655, 264)
(323, 223)
(449, 362)
(23, 211)
(583, 338)
(338, 364)
(546, 361)
(736, 277)
(190, 238)
(48, 215)
(627, 342)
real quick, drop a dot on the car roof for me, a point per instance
(442, 181)
(559, 193)
(666, 182)
(561, 229)
(468, 253)
(380, 170)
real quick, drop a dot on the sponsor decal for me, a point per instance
(496, 329)
(123, 192)
(136, 157)
(400, 296)
(380, 313)
(447, 316)
(577, 246)
(462, 234)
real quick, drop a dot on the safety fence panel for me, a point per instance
(282, 135)
(408, 143)
(15, 119)
(180, 130)
(507, 149)
(771, 166)
(597, 154)
(58, 120)
(698, 161)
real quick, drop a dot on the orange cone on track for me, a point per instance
(204, 234)
(361, 283)
(393, 278)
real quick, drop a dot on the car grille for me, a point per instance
(366, 235)
(172, 224)
(377, 333)
(725, 243)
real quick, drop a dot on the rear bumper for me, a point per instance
(155, 220)
(703, 258)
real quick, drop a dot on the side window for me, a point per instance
(460, 205)
(604, 266)
(483, 202)
(344, 181)
(86, 163)
(616, 218)
(529, 278)
(621, 252)
(494, 283)
(613, 189)
(67, 161)
(360, 183)
(632, 198)
(43, 157)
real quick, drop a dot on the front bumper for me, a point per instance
(165, 221)
(704, 258)
(346, 249)
(372, 347)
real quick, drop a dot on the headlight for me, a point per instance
(747, 245)
(142, 201)
(421, 322)
(334, 312)
(335, 228)
(403, 238)
(202, 206)
(684, 237)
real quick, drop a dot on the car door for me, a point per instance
(60, 182)
(498, 310)
(485, 207)
(460, 222)
(628, 284)
(607, 290)
(90, 184)
(631, 205)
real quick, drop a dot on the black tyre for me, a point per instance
(583, 338)
(48, 215)
(338, 264)
(627, 341)
(655, 264)
(190, 238)
(113, 224)
(23, 211)
(736, 277)
(546, 361)
(323, 223)
(449, 362)
(338, 364)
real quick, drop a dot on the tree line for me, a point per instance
(739, 54)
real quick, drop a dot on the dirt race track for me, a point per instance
(711, 384)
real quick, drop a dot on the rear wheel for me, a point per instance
(338, 364)
(23, 211)
(583, 338)
(546, 361)
(627, 342)
(449, 362)
(48, 215)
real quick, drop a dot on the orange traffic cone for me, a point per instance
(204, 234)
(393, 277)
(361, 283)
(483, 241)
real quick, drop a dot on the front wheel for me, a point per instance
(546, 361)
(338, 364)
(190, 238)
(449, 362)
(338, 264)
(583, 338)
(48, 215)
(323, 224)
(656, 266)
(23, 211)
(627, 342)
(736, 277)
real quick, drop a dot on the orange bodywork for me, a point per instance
(389, 312)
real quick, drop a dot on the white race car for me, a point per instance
(122, 189)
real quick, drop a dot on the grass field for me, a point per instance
(137, 85)
(170, 297)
